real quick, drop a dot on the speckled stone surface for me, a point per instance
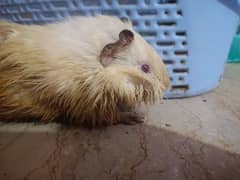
(186, 139)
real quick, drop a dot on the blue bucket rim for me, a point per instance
(234, 5)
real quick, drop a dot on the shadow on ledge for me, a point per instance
(120, 152)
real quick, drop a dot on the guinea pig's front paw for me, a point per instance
(131, 118)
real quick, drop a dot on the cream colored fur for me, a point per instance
(53, 71)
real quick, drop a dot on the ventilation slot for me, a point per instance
(183, 70)
(148, 33)
(34, 7)
(179, 12)
(91, 3)
(165, 43)
(147, 23)
(181, 53)
(181, 78)
(184, 43)
(147, 2)
(167, 1)
(49, 14)
(182, 61)
(181, 33)
(167, 23)
(75, 3)
(26, 15)
(147, 12)
(165, 53)
(75, 13)
(109, 2)
(10, 9)
(127, 2)
(168, 62)
(135, 23)
(60, 4)
(110, 12)
(184, 87)
(166, 12)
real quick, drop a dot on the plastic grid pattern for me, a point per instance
(160, 22)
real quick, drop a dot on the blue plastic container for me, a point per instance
(193, 37)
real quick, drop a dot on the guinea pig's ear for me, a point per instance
(127, 21)
(125, 37)
(124, 19)
(110, 50)
(5, 32)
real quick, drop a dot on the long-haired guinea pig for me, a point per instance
(84, 70)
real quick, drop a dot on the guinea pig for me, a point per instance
(82, 70)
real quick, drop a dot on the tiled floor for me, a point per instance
(186, 139)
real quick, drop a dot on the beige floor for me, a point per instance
(193, 138)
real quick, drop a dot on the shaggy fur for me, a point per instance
(53, 72)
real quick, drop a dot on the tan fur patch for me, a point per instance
(54, 71)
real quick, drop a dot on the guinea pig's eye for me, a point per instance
(145, 68)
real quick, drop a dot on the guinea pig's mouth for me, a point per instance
(142, 94)
(138, 90)
(150, 97)
(149, 94)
